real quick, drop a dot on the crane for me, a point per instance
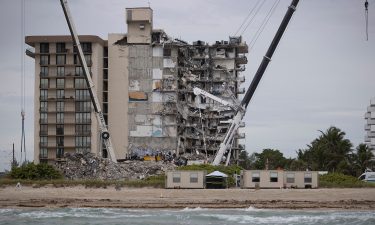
(104, 134)
(240, 110)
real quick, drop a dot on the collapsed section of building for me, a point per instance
(145, 81)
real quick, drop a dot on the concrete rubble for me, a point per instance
(88, 166)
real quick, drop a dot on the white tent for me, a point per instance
(216, 174)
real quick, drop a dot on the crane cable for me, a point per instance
(247, 17)
(251, 20)
(23, 86)
(264, 24)
(366, 17)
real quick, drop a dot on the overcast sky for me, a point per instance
(322, 73)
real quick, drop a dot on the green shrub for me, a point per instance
(334, 180)
(30, 171)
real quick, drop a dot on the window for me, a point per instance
(82, 95)
(194, 178)
(44, 59)
(83, 117)
(60, 153)
(60, 141)
(290, 177)
(176, 177)
(308, 178)
(86, 47)
(142, 26)
(43, 153)
(83, 106)
(105, 51)
(83, 141)
(59, 117)
(167, 52)
(273, 177)
(60, 106)
(60, 48)
(43, 117)
(105, 86)
(105, 96)
(80, 83)
(43, 83)
(60, 83)
(60, 129)
(60, 59)
(43, 94)
(43, 71)
(88, 59)
(105, 74)
(60, 71)
(83, 129)
(43, 106)
(60, 94)
(43, 141)
(44, 47)
(105, 63)
(79, 71)
(255, 177)
(43, 129)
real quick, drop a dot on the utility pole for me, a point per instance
(13, 163)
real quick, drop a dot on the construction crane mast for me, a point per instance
(228, 139)
(104, 134)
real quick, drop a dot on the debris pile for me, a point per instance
(88, 166)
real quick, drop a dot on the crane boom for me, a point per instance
(198, 91)
(254, 83)
(91, 87)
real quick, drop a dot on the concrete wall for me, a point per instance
(148, 130)
(118, 94)
(185, 179)
(139, 22)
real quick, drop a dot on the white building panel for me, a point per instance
(157, 74)
(157, 51)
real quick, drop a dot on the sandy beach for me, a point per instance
(353, 199)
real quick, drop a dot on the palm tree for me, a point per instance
(364, 158)
(335, 147)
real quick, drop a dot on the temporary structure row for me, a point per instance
(195, 179)
(279, 179)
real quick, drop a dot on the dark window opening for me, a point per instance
(44, 47)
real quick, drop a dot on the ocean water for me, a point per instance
(183, 216)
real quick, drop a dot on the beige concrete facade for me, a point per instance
(279, 179)
(185, 179)
(118, 93)
(57, 90)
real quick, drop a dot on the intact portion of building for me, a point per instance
(145, 81)
(63, 111)
(370, 125)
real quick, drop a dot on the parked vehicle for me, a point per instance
(367, 176)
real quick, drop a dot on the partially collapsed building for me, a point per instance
(145, 81)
